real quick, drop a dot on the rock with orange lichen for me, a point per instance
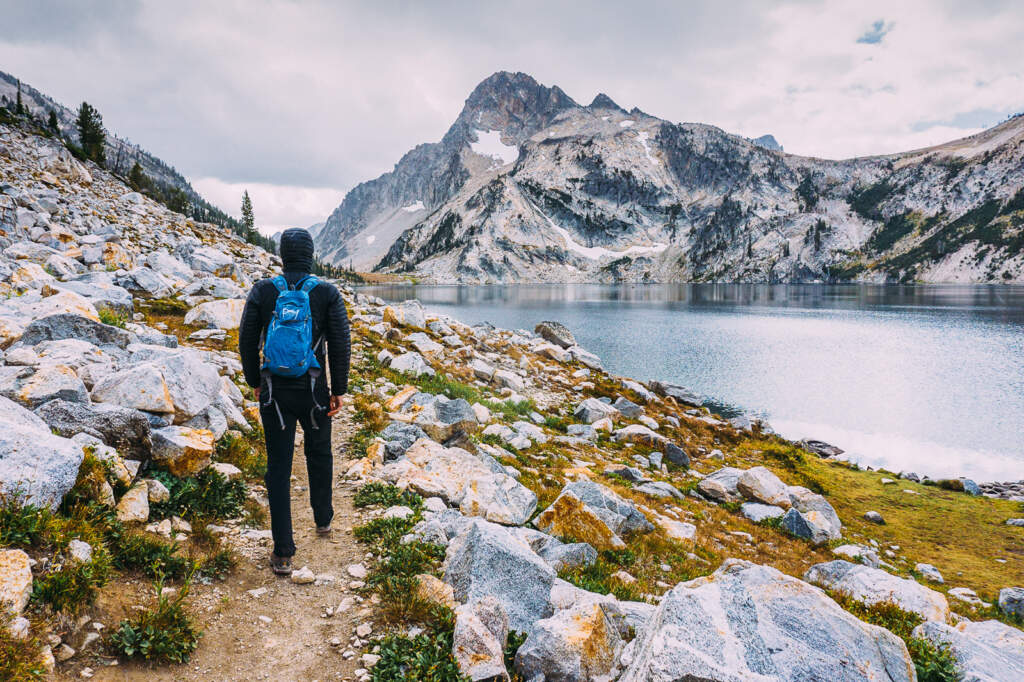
(478, 642)
(580, 644)
(592, 513)
(183, 450)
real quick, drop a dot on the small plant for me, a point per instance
(75, 584)
(933, 664)
(598, 577)
(206, 495)
(19, 657)
(384, 531)
(247, 452)
(164, 634)
(112, 317)
(21, 525)
(512, 644)
(386, 495)
(167, 306)
(427, 657)
(154, 557)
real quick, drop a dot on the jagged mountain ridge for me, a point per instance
(529, 185)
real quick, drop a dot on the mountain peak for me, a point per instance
(603, 101)
(517, 94)
(768, 142)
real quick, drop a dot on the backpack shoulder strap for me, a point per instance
(281, 283)
(309, 283)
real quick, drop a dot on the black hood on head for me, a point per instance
(296, 250)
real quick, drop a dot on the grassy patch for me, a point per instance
(427, 656)
(162, 634)
(599, 577)
(934, 664)
(248, 451)
(112, 317)
(206, 495)
(19, 658)
(74, 585)
(21, 525)
(386, 495)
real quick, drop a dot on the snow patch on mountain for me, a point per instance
(413, 207)
(489, 144)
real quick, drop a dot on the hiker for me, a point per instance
(292, 317)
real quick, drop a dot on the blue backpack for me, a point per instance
(288, 350)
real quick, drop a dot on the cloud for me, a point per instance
(311, 95)
(874, 35)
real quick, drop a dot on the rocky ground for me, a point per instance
(508, 508)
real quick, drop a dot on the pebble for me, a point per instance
(364, 630)
(303, 576)
(357, 571)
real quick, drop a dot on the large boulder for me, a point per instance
(119, 427)
(1011, 601)
(35, 463)
(987, 651)
(486, 560)
(33, 386)
(184, 451)
(478, 642)
(761, 485)
(874, 586)
(192, 383)
(407, 314)
(223, 314)
(141, 387)
(463, 480)
(579, 644)
(399, 437)
(443, 418)
(103, 295)
(411, 363)
(556, 333)
(678, 393)
(721, 485)
(750, 622)
(811, 517)
(592, 513)
(592, 409)
(71, 326)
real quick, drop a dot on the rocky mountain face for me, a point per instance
(121, 154)
(529, 185)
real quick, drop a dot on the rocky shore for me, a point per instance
(528, 514)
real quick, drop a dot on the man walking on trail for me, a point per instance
(290, 318)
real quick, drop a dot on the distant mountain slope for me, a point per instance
(528, 185)
(121, 154)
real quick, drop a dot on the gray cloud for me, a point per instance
(301, 95)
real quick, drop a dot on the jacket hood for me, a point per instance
(296, 250)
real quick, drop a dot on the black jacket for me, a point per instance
(330, 320)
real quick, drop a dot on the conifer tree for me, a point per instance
(91, 133)
(53, 123)
(248, 219)
(19, 108)
(137, 178)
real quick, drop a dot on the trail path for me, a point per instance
(295, 644)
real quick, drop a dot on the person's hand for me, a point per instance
(256, 393)
(335, 406)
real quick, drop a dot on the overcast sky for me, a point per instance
(300, 100)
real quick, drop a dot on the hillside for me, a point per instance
(529, 185)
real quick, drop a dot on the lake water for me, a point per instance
(914, 378)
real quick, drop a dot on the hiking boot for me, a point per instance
(324, 531)
(280, 565)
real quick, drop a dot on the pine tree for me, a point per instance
(248, 219)
(137, 178)
(19, 108)
(53, 123)
(91, 133)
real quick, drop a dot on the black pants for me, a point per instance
(296, 405)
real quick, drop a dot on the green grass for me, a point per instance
(934, 664)
(598, 577)
(386, 495)
(21, 525)
(248, 451)
(206, 495)
(75, 585)
(163, 634)
(427, 657)
(112, 317)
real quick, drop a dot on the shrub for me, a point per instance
(164, 634)
(206, 495)
(19, 658)
(386, 495)
(155, 558)
(934, 664)
(21, 525)
(427, 657)
(75, 584)
(112, 317)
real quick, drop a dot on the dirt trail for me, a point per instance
(295, 644)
